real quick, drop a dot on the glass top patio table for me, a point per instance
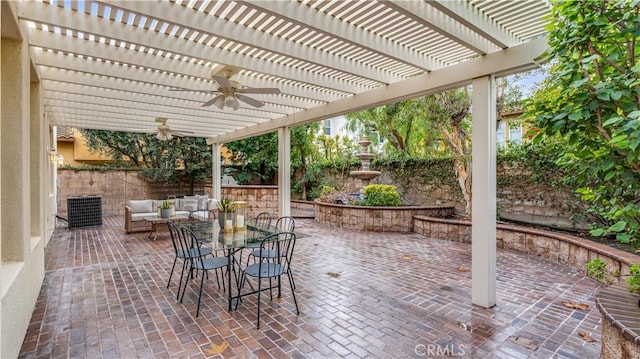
(210, 234)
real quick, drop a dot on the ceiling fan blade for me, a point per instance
(222, 81)
(214, 101)
(265, 90)
(249, 100)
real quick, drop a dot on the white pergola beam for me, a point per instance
(518, 58)
(91, 100)
(169, 106)
(199, 126)
(201, 22)
(330, 26)
(87, 24)
(119, 72)
(443, 25)
(116, 54)
(464, 13)
(149, 89)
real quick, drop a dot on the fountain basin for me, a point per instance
(365, 175)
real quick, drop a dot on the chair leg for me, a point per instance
(243, 278)
(259, 291)
(292, 281)
(185, 283)
(293, 292)
(172, 268)
(200, 294)
(184, 267)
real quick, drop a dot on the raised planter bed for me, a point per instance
(376, 219)
(619, 308)
(620, 322)
(565, 248)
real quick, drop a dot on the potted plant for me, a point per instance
(226, 212)
(165, 209)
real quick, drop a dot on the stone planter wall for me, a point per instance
(620, 322)
(375, 219)
(565, 248)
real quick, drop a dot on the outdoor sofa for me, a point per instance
(196, 207)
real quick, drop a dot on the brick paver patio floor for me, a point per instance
(361, 295)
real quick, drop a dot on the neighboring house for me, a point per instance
(511, 128)
(335, 127)
(73, 150)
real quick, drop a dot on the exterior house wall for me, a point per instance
(27, 191)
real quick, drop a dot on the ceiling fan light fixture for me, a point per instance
(230, 100)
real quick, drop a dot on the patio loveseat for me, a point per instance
(196, 207)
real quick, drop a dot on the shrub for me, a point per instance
(634, 278)
(329, 195)
(380, 195)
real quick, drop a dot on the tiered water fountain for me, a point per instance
(365, 175)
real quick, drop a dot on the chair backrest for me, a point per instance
(191, 242)
(285, 224)
(175, 237)
(263, 220)
(282, 243)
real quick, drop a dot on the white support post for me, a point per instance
(284, 171)
(216, 190)
(483, 206)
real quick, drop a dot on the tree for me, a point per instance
(596, 74)
(303, 149)
(403, 126)
(449, 112)
(256, 157)
(182, 159)
(431, 126)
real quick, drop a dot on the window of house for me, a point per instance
(501, 133)
(515, 133)
(326, 127)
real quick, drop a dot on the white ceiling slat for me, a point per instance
(111, 64)
(137, 88)
(444, 25)
(200, 129)
(238, 33)
(91, 97)
(79, 22)
(519, 58)
(466, 14)
(342, 30)
(104, 69)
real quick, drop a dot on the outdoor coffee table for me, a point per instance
(157, 222)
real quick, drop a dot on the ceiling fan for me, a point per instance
(229, 92)
(165, 132)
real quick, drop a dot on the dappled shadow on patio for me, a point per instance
(361, 295)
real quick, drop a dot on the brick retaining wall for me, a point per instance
(565, 248)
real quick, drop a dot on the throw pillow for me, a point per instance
(189, 205)
(141, 206)
(203, 201)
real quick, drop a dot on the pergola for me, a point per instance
(112, 65)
